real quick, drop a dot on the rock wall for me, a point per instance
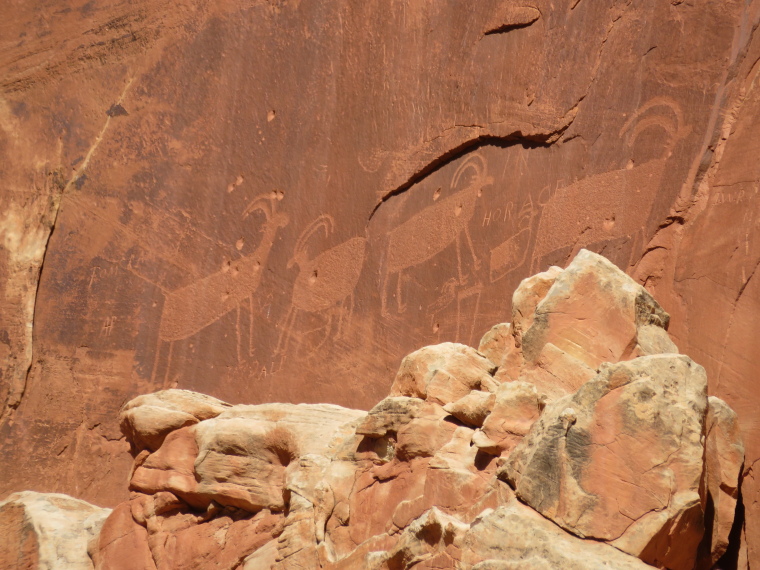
(274, 200)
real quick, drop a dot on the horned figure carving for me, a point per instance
(190, 309)
(433, 229)
(324, 282)
(614, 204)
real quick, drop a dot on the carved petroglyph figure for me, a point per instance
(614, 204)
(190, 309)
(325, 282)
(432, 230)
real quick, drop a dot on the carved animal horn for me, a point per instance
(324, 221)
(261, 203)
(474, 161)
(672, 124)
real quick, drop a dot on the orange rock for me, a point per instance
(592, 313)
(724, 458)
(443, 373)
(170, 468)
(122, 543)
(621, 459)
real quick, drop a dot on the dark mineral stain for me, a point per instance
(116, 110)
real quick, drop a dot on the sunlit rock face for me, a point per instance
(271, 201)
(621, 461)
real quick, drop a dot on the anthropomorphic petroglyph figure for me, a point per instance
(190, 309)
(613, 204)
(325, 282)
(432, 230)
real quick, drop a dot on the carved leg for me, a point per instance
(383, 297)
(475, 260)
(282, 342)
(400, 304)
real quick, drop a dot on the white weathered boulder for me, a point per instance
(443, 373)
(47, 531)
(515, 537)
(146, 420)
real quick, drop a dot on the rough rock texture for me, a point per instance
(621, 459)
(724, 459)
(231, 196)
(634, 468)
(47, 531)
(515, 537)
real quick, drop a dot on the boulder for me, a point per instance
(123, 542)
(514, 537)
(433, 540)
(526, 298)
(410, 426)
(146, 420)
(724, 458)
(170, 468)
(592, 312)
(243, 453)
(517, 406)
(47, 531)
(620, 460)
(443, 373)
(497, 343)
(473, 408)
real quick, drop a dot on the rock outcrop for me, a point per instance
(460, 466)
(194, 193)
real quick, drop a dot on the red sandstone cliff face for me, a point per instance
(233, 197)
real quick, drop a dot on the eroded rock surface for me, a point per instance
(47, 531)
(460, 467)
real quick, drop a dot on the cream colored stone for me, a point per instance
(473, 408)
(443, 373)
(430, 534)
(517, 405)
(146, 420)
(515, 537)
(497, 343)
(243, 453)
(57, 529)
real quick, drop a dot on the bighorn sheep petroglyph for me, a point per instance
(324, 281)
(190, 309)
(432, 230)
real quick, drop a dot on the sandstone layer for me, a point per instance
(226, 197)
(459, 467)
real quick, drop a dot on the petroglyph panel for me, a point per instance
(285, 227)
